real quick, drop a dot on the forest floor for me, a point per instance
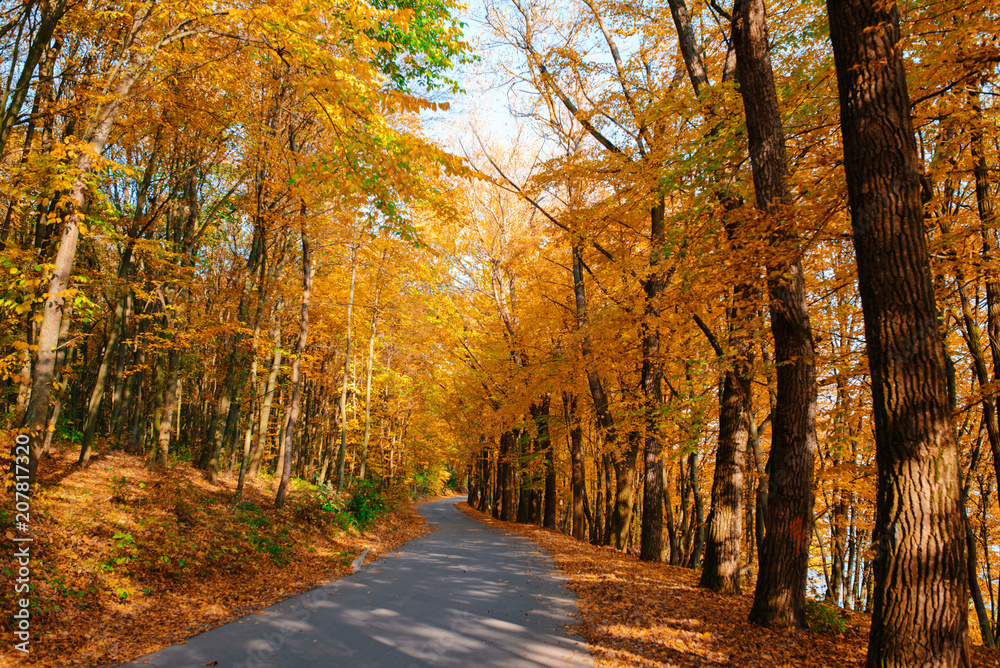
(128, 558)
(637, 614)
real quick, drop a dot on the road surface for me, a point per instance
(464, 595)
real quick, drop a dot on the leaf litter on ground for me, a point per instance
(639, 614)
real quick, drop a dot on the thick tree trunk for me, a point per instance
(921, 594)
(779, 598)
(723, 546)
(721, 570)
(37, 409)
(293, 404)
(621, 522)
(64, 354)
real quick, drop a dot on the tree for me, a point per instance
(779, 598)
(293, 408)
(921, 588)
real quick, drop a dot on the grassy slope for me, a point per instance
(127, 559)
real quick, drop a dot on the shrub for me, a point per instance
(119, 489)
(366, 504)
(824, 617)
(314, 506)
(263, 534)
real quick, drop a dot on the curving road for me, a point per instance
(464, 594)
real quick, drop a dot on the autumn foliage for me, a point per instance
(639, 319)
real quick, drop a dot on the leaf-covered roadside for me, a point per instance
(128, 559)
(638, 614)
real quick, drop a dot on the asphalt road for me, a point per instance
(464, 595)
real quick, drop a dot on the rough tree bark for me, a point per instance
(920, 601)
(721, 569)
(779, 597)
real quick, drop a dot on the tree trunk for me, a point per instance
(698, 520)
(576, 466)
(368, 394)
(169, 404)
(97, 394)
(118, 389)
(485, 461)
(97, 133)
(608, 500)
(921, 593)
(721, 570)
(651, 541)
(50, 15)
(265, 411)
(220, 419)
(545, 441)
(293, 404)
(342, 451)
(622, 514)
(779, 598)
(760, 496)
(245, 461)
(505, 469)
(985, 624)
(63, 377)
(621, 522)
